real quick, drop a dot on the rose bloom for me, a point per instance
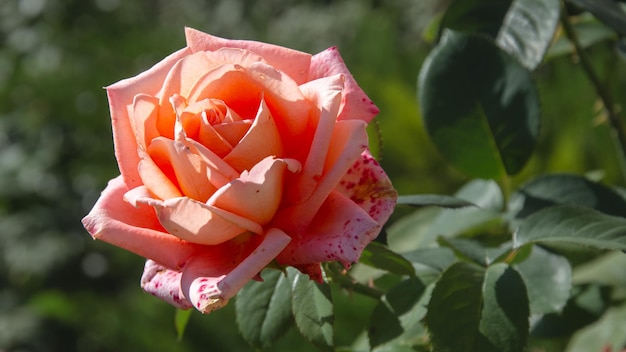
(235, 154)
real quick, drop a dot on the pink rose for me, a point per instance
(234, 154)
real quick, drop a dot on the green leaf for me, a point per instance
(264, 309)
(607, 11)
(483, 16)
(437, 257)
(180, 321)
(313, 311)
(504, 320)
(472, 250)
(607, 332)
(548, 279)
(555, 189)
(589, 32)
(473, 309)
(480, 107)
(568, 224)
(422, 200)
(527, 30)
(389, 318)
(379, 256)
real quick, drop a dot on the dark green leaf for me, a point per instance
(548, 279)
(264, 309)
(313, 311)
(550, 190)
(180, 321)
(422, 200)
(589, 32)
(568, 224)
(454, 309)
(473, 309)
(504, 320)
(478, 16)
(479, 106)
(401, 301)
(607, 11)
(379, 256)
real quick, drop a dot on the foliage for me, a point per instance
(517, 110)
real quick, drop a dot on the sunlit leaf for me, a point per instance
(264, 309)
(379, 256)
(527, 30)
(313, 311)
(548, 279)
(480, 107)
(569, 224)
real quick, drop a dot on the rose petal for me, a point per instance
(144, 119)
(190, 169)
(135, 229)
(209, 291)
(367, 185)
(197, 222)
(179, 81)
(261, 141)
(159, 184)
(355, 104)
(348, 141)
(326, 94)
(339, 231)
(294, 63)
(121, 95)
(164, 284)
(256, 194)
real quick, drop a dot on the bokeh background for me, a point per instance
(62, 291)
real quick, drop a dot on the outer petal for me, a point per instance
(164, 284)
(121, 95)
(355, 104)
(292, 62)
(208, 290)
(339, 231)
(135, 229)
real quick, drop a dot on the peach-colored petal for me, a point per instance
(355, 104)
(179, 81)
(135, 229)
(144, 119)
(233, 132)
(164, 284)
(339, 231)
(190, 169)
(326, 94)
(348, 141)
(261, 141)
(218, 171)
(256, 194)
(207, 291)
(121, 95)
(155, 180)
(294, 63)
(196, 222)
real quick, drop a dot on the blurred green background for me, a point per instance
(62, 291)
